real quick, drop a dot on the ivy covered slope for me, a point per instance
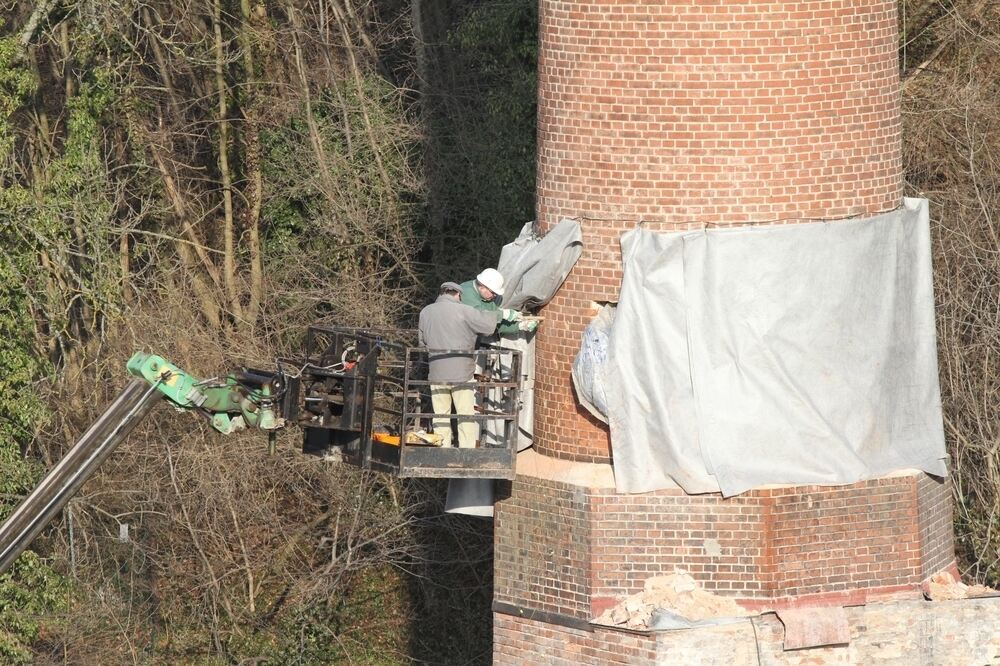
(205, 179)
(31, 589)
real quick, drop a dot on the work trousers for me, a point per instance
(464, 399)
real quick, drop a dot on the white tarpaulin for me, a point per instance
(533, 267)
(590, 365)
(788, 354)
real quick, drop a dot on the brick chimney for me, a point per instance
(684, 114)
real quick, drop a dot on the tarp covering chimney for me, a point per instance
(533, 267)
(787, 354)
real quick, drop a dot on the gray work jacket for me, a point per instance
(448, 324)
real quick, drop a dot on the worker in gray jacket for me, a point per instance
(449, 326)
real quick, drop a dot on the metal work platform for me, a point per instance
(360, 394)
(364, 395)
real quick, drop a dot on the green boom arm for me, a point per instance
(230, 404)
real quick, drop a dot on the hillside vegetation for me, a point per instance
(950, 63)
(203, 179)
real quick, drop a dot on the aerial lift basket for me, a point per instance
(364, 394)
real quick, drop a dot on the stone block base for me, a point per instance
(897, 633)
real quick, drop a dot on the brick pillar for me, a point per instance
(684, 114)
(690, 113)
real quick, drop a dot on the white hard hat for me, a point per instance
(492, 280)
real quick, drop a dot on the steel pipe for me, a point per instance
(64, 480)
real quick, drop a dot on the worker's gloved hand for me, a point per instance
(527, 325)
(510, 315)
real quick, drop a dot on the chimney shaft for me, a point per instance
(680, 114)
(692, 113)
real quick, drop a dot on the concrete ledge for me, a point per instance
(602, 475)
(589, 475)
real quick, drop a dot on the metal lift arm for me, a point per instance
(240, 400)
(346, 377)
(64, 480)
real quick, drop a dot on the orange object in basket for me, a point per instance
(386, 438)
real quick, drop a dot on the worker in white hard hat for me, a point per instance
(485, 292)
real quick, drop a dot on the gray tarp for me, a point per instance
(792, 354)
(533, 268)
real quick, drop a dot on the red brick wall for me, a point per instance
(936, 532)
(573, 550)
(638, 536)
(825, 539)
(541, 558)
(692, 113)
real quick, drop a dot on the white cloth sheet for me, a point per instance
(786, 354)
(534, 268)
